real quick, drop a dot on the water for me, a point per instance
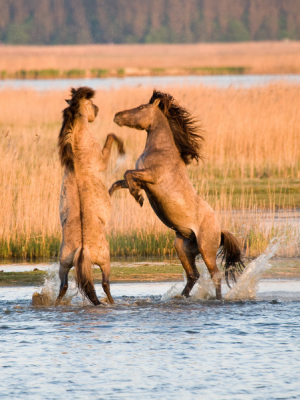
(154, 344)
(221, 81)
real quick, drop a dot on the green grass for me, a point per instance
(142, 244)
(32, 248)
(158, 71)
(99, 73)
(29, 278)
(75, 73)
(282, 193)
(44, 248)
(288, 268)
(52, 73)
(217, 70)
(265, 193)
(121, 72)
(146, 272)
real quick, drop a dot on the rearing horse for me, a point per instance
(84, 200)
(173, 140)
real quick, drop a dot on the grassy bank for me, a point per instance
(120, 72)
(250, 169)
(156, 272)
(145, 272)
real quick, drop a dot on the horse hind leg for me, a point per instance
(187, 251)
(105, 269)
(208, 251)
(64, 268)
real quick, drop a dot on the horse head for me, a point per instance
(138, 118)
(81, 103)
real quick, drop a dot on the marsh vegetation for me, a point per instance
(51, 62)
(250, 173)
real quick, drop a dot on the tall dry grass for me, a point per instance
(252, 135)
(255, 57)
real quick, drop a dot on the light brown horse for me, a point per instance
(84, 201)
(173, 140)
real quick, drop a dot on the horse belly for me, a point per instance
(69, 208)
(96, 210)
(174, 211)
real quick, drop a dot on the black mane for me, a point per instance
(186, 130)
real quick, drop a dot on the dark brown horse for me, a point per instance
(173, 140)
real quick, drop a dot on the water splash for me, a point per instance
(174, 292)
(204, 289)
(247, 284)
(245, 288)
(50, 290)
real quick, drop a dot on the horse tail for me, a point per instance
(83, 261)
(231, 256)
(83, 274)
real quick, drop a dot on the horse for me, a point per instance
(84, 199)
(174, 139)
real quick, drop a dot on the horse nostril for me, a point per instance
(117, 118)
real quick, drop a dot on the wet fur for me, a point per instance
(230, 252)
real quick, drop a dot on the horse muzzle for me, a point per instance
(118, 119)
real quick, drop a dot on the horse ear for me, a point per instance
(156, 102)
(68, 101)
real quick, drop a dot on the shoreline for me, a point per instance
(122, 73)
(55, 74)
(139, 272)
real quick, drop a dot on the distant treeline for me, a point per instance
(147, 21)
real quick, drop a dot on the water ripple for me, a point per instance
(152, 347)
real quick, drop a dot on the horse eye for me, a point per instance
(141, 107)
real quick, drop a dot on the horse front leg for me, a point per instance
(136, 179)
(135, 191)
(106, 151)
(122, 184)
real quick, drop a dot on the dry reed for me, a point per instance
(252, 135)
(255, 57)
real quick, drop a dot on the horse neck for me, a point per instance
(80, 127)
(160, 135)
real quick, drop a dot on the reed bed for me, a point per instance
(280, 57)
(249, 172)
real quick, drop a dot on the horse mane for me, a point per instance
(186, 130)
(65, 137)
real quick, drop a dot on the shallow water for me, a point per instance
(153, 344)
(221, 81)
